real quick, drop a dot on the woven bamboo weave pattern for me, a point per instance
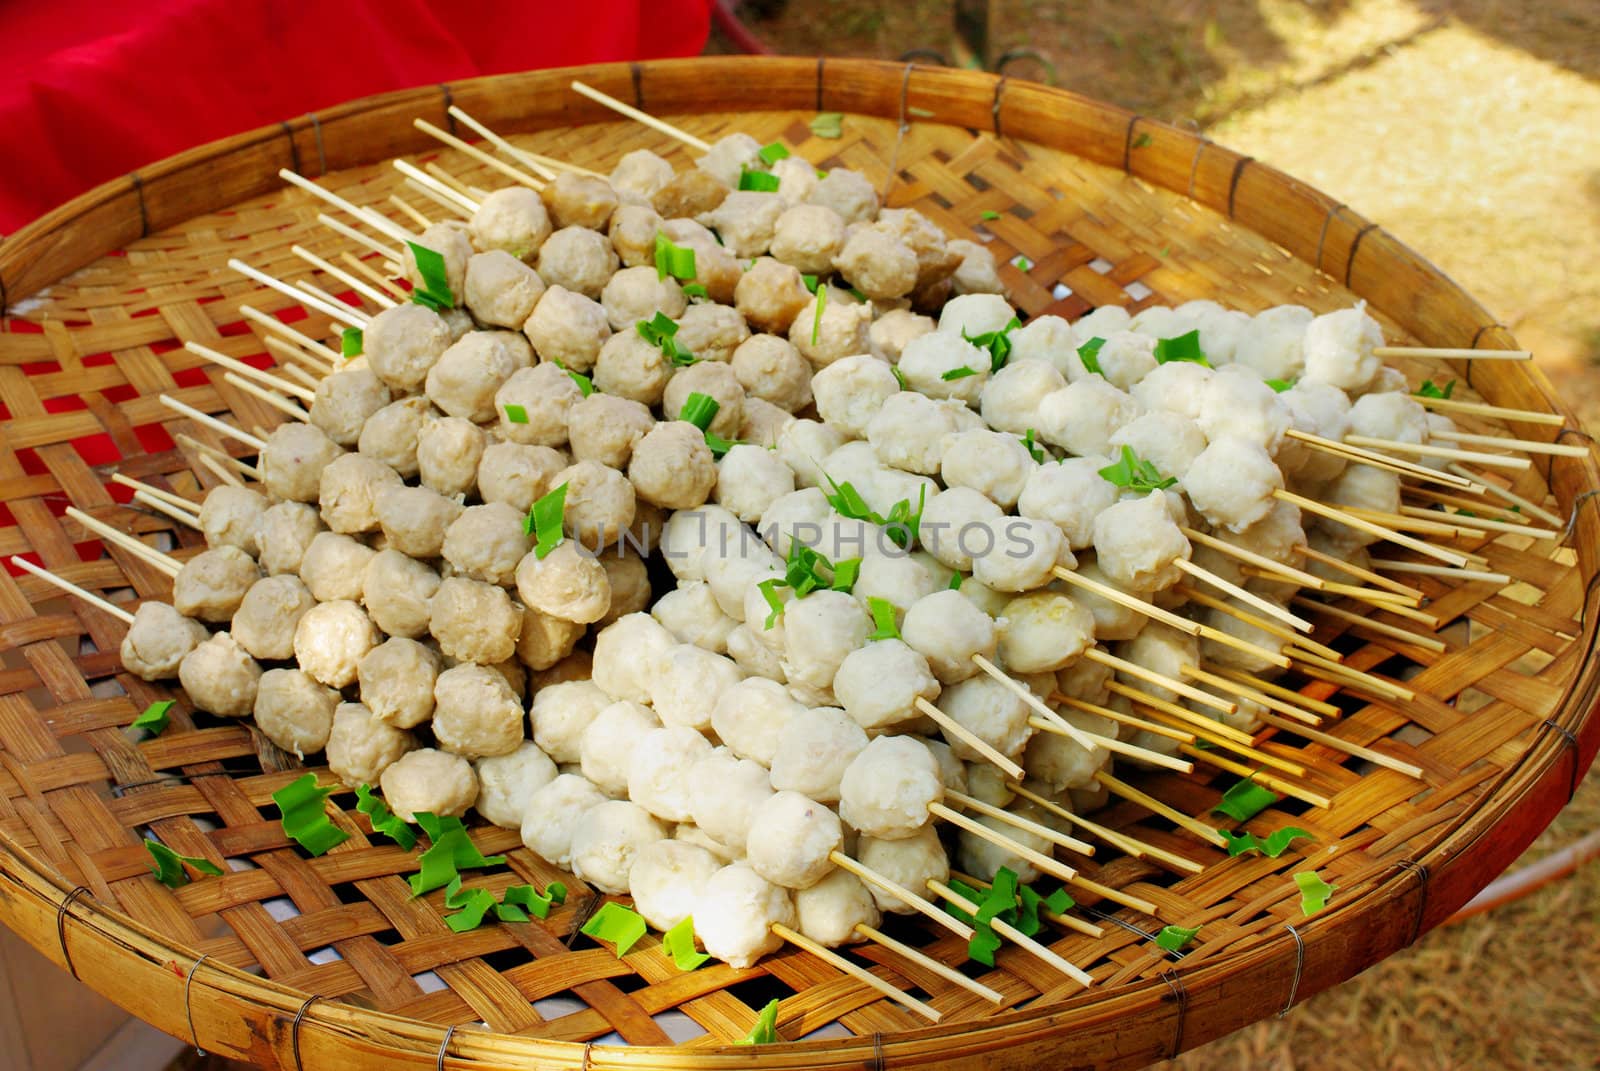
(1103, 208)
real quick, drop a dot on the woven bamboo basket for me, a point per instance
(1109, 207)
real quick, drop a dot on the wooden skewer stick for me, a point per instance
(127, 542)
(251, 372)
(1181, 714)
(528, 159)
(1111, 743)
(213, 423)
(928, 963)
(338, 309)
(277, 326)
(1471, 504)
(454, 183)
(1266, 606)
(1248, 751)
(415, 214)
(1116, 838)
(1453, 354)
(859, 973)
(441, 193)
(1072, 844)
(340, 227)
(640, 117)
(1271, 628)
(1423, 569)
(1478, 457)
(1357, 679)
(1382, 600)
(1277, 784)
(1338, 744)
(1526, 446)
(1055, 723)
(222, 457)
(277, 401)
(303, 377)
(1375, 579)
(1384, 461)
(1088, 929)
(167, 509)
(72, 589)
(1122, 719)
(970, 738)
(1311, 505)
(1524, 416)
(361, 267)
(361, 316)
(1325, 709)
(515, 174)
(1505, 494)
(1271, 702)
(916, 901)
(1167, 617)
(1155, 806)
(296, 362)
(1485, 523)
(1382, 628)
(1005, 929)
(216, 468)
(187, 505)
(1260, 561)
(1160, 680)
(1376, 596)
(377, 297)
(1044, 862)
(1401, 523)
(557, 164)
(377, 222)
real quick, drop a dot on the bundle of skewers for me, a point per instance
(730, 536)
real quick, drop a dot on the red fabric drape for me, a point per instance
(93, 89)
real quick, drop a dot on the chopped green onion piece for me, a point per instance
(700, 410)
(816, 319)
(659, 331)
(858, 295)
(765, 1032)
(904, 525)
(899, 376)
(1022, 263)
(1138, 143)
(679, 944)
(958, 373)
(155, 718)
(955, 580)
(472, 905)
(719, 446)
(616, 924)
(585, 384)
(847, 501)
(882, 611)
(844, 575)
(384, 820)
(1135, 474)
(1245, 800)
(451, 850)
(350, 342)
(1089, 354)
(769, 591)
(828, 125)
(305, 821)
(516, 414)
(167, 865)
(1274, 845)
(1314, 892)
(998, 343)
(1280, 385)
(674, 260)
(990, 214)
(810, 281)
(435, 290)
(1173, 938)
(1034, 451)
(772, 152)
(546, 521)
(758, 181)
(1430, 389)
(1185, 347)
(525, 900)
(695, 290)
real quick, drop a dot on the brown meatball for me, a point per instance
(714, 380)
(712, 332)
(673, 467)
(604, 427)
(633, 234)
(599, 503)
(345, 400)
(771, 295)
(690, 193)
(519, 475)
(576, 200)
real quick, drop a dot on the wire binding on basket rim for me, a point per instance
(61, 927)
(1299, 968)
(294, 1030)
(188, 1003)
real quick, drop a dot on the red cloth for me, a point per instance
(98, 88)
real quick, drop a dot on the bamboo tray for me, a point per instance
(1110, 207)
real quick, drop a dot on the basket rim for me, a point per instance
(1530, 787)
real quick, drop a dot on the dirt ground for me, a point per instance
(1472, 130)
